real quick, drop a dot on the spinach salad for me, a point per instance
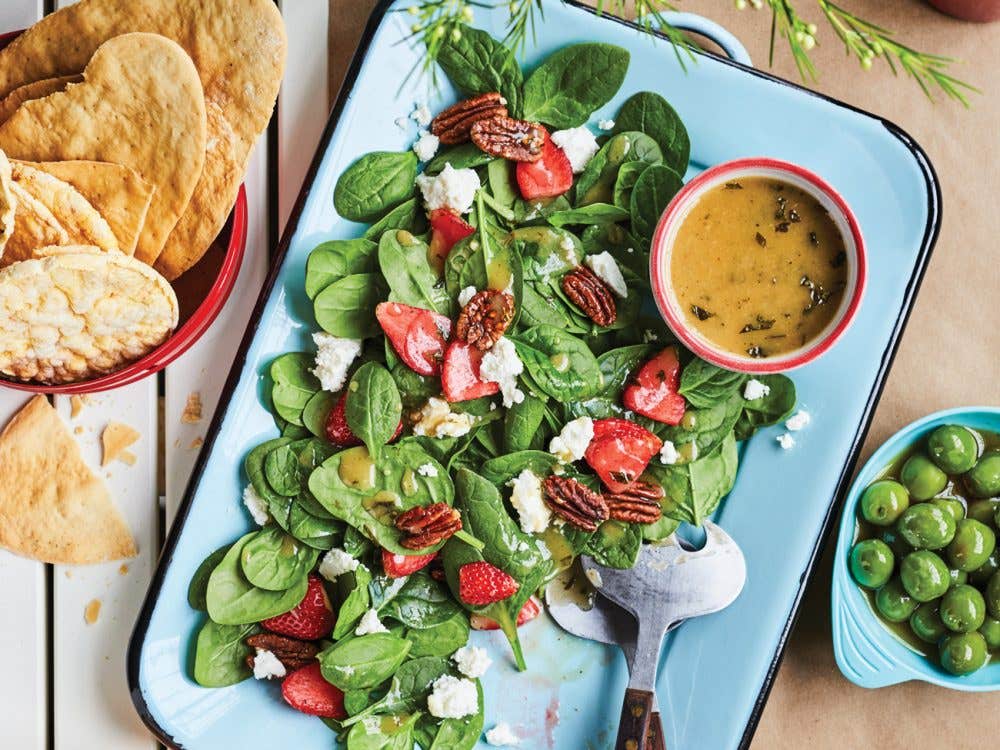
(490, 398)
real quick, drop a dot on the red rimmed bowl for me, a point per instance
(666, 233)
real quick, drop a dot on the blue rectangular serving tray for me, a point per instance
(715, 672)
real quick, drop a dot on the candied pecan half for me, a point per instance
(485, 318)
(290, 652)
(637, 503)
(589, 292)
(426, 526)
(454, 124)
(512, 139)
(575, 502)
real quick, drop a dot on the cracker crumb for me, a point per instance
(115, 439)
(92, 611)
(69, 573)
(123, 569)
(196, 444)
(128, 457)
(192, 409)
(76, 404)
(78, 430)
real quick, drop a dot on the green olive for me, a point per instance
(924, 575)
(984, 572)
(925, 622)
(926, 526)
(963, 609)
(993, 595)
(953, 448)
(893, 603)
(872, 563)
(972, 545)
(963, 653)
(883, 502)
(991, 632)
(984, 511)
(951, 505)
(921, 477)
(983, 480)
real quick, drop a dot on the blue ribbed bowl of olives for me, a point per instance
(871, 651)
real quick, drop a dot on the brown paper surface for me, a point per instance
(948, 356)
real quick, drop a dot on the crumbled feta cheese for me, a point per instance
(334, 356)
(594, 576)
(571, 443)
(649, 335)
(421, 115)
(578, 144)
(426, 146)
(798, 420)
(786, 441)
(754, 390)
(606, 124)
(453, 188)
(566, 244)
(607, 269)
(532, 512)
(266, 665)
(256, 505)
(453, 698)
(370, 624)
(668, 453)
(629, 250)
(472, 661)
(465, 295)
(335, 563)
(438, 420)
(502, 365)
(427, 470)
(372, 724)
(502, 736)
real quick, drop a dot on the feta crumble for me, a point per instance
(453, 698)
(786, 441)
(754, 390)
(668, 453)
(649, 335)
(335, 563)
(578, 144)
(502, 736)
(607, 269)
(567, 245)
(572, 441)
(594, 576)
(472, 661)
(606, 124)
(453, 188)
(334, 356)
(532, 512)
(798, 420)
(266, 665)
(438, 420)
(465, 295)
(370, 624)
(426, 146)
(256, 505)
(502, 365)
(427, 470)
(421, 115)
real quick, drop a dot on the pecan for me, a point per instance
(511, 139)
(455, 123)
(428, 525)
(637, 503)
(290, 652)
(484, 318)
(588, 291)
(575, 502)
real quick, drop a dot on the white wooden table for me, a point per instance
(63, 683)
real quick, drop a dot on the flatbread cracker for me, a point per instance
(115, 438)
(35, 90)
(141, 105)
(80, 313)
(8, 203)
(34, 227)
(52, 506)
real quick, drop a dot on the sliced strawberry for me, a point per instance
(400, 566)
(548, 177)
(339, 433)
(460, 379)
(620, 451)
(480, 583)
(447, 228)
(312, 618)
(305, 690)
(529, 612)
(419, 336)
(653, 390)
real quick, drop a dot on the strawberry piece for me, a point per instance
(531, 609)
(480, 583)
(620, 452)
(310, 619)
(418, 336)
(447, 229)
(548, 177)
(653, 390)
(460, 379)
(307, 691)
(400, 566)
(339, 433)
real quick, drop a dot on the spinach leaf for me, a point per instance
(706, 428)
(403, 261)
(463, 156)
(694, 490)
(617, 365)
(626, 248)
(704, 385)
(393, 733)
(404, 216)
(363, 661)
(628, 173)
(294, 431)
(535, 212)
(561, 364)
(199, 581)
(653, 190)
(596, 184)
(333, 260)
(661, 530)
(375, 183)
(616, 544)
(220, 655)
(253, 464)
(502, 469)
(422, 603)
(274, 561)
(282, 469)
(464, 267)
(522, 423)
(294, 385)
(346, 308)
(500, 175)
(373, 407)
(476, 63)
(410, 687)
(317, 411)
(354, 598)
(593, 213)
(651, 114)
(414, 389)
(318, 532)
(442, 639)
(769, 409)
(573, 82)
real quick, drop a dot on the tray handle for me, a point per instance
(732, 46)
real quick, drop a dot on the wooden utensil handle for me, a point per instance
(633, 727)
(654, 737)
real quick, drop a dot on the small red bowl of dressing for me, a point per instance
(769, 271)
